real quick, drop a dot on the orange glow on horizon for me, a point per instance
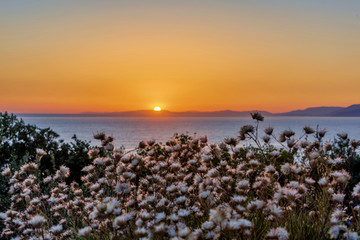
(112, 56)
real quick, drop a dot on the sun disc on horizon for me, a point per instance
(157, 109)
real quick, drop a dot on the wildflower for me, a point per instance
(278, 233)
(254, 163)
(84, 232)
(269, 130)
(343, 136)
(245, 130)
(213, 173)
(275, 210)
(308, 130)
(256, 205)
(183, 213)
(184, 232)
(349, 235)
(286, 169)
(208, 225)
(257, 116)
(356, 191)
(338, 213)
(40, 153)
(243, 184)
(239, 199)
(323, 182)
(339, 197)
(6, 172)
(231, 141)
(37, 221)
(28, 167)
(309, 181)
(281, 138)
(354, 143)
(47, 179)
(327, 146)
(321, 132)
(334, 231)
(159, 228)
(288, 133)
(160, 216)
(3, 216)
(65, 171)
(266, 139)
(57, 229)
(270, 169)
(341, 176)
(304, 143)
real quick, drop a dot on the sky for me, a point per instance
(74, 56)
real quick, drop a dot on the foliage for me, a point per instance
(18, 144)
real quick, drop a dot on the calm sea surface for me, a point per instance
(129, 131)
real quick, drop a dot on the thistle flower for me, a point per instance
(84, 232)
(321, 132)
(341, 176)
(286, 169)
(334, 231)
(323, 182)
(356, 191)
(354, 143)
(338, 197)
(266, 139)
(343, 136)
(231, 141)
(6, 172)
(281, 138)
(257, 116)
(99, 135)
(308, 130)
(349, 235)
(37, 221)
(184, 232)
(208, 225)
(246, 129)
(40, 153)
(309, 181)
(278, 233)
(57, 229)
(159, 228)
(269, 130)
(65, 171)
(304, 143)
(243, 184)
(92, 153)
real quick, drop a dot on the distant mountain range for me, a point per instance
(351, 111)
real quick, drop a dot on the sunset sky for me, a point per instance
(77, 56)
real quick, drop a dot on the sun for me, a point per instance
(157, 109)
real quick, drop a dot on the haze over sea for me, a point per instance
(129, 131)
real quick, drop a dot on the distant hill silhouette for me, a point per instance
(351, 111)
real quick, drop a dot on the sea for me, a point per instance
(129, 131)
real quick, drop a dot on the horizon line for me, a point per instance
(169, 111)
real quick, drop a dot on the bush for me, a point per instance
(189, 189)
(18, 144)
